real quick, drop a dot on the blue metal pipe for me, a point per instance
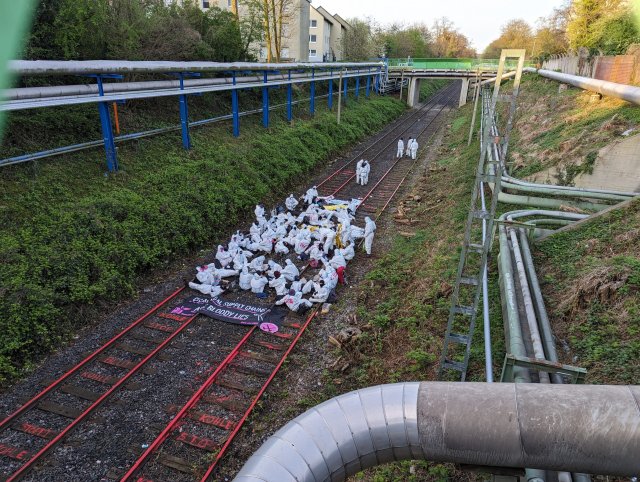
(235, 109)
(107, 131)
(357, 87)
(265, 101)
(184, 116)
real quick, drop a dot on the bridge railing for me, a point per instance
(451, 64)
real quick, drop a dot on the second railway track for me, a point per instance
(211, 411)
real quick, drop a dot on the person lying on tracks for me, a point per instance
(281, 247)
(291, 202)
(329, 274)
(328, 237)
(295, 302)
(316, 252)
(400, 152)
(207, 289)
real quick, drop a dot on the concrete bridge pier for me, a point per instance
(413, 96)
(464, 90)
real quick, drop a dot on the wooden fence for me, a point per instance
(622, 69)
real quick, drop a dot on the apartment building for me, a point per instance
(309, 34)
(295, 31)
(326, 32)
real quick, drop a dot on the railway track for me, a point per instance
(194, 441)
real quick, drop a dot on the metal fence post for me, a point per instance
(107, 132)
(312, 102)
(235, 107)
(290, 99)
(358, 86)
(265, 101)
(184, 116)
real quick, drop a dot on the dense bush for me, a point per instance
(82, 250)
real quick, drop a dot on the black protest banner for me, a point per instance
(267, 318)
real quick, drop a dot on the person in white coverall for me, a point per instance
(295, 302)
(259, 211)
(257, 285)
(359, 171)
(279, 283)
(407, 153)
(207, 289)
(369, 230)
(310, 195)
(291, 202)
(414, 150)
(245, 279)
(400, 148)
(364, 175)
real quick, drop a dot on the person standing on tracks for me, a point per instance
(407, 153)
(359, 171)
(366, 169)
(369, 231)
(295, 302)
(400, 148)
(414, 149)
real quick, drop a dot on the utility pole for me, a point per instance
(339, 96)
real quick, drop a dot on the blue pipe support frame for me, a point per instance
(357, 87)
(105, 122)
(235, 108)
(265, 101)
(330, 98)
(109, 139)
(312, 102)
(184, 116)
(368, 88)
(290, 100)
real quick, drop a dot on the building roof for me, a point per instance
(325, 14)
(342, 21)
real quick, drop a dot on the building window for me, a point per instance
(312, 52)
(314, 23)
(313, 38)
(229, 3)
(205, 4)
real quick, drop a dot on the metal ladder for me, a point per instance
(476, 246)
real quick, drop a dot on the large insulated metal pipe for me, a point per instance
(87, 67)
(630, 93)
(579, 428)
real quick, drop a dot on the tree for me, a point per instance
(515, 34)
(587, 19)
(362, 41)
(448, 41)
(551, 34)
(276, 16)
(403, 42)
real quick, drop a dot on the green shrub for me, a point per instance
(79, 248)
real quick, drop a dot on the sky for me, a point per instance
(479, 20)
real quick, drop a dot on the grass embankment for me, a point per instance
(403, 304)
(591, 283)
(72, 239)
(427, 89)
(564, 129)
